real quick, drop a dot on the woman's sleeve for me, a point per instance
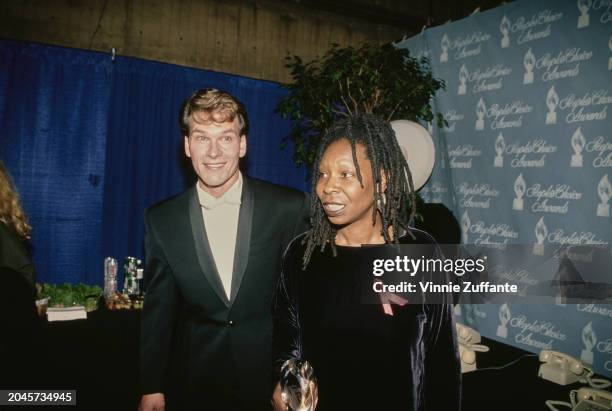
(14, 254)
(442, 366)
(286, 334)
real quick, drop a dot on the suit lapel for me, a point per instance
(243, 237)
(202, 246)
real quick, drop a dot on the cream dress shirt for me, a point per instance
(221, 222)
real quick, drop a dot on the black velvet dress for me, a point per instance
(363, 358)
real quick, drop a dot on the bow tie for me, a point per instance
(211, 203)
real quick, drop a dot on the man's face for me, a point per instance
(215, 149)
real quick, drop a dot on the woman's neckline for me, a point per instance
(362, 246)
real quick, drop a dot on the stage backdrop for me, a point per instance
(526, 157)
(91, 141)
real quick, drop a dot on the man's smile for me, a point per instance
(214, 166)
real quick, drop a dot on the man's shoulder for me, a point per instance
(170, 205)
(275, 191)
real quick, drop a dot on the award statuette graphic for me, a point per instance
(541, 232)
(504, 27)
(589, 339)
(463, 77)
(552, 100)
(298, 385)
(504, 318)
(481, 110)
(583, 19)
(444, 44)
(604, 190)
(500, 146)
(578, 143)
(519, 190)
(529, 62)
(610, 59)
(465, 227)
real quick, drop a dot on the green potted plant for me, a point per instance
(381, 80)
(68, 295)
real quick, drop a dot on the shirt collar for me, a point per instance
(231, 196)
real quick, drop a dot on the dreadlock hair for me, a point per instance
(396, 205)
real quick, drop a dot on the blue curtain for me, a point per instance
(92, 142)
(53, 117)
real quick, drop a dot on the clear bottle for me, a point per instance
(110, 277)
(139, 276)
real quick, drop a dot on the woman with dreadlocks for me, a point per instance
(365, 356)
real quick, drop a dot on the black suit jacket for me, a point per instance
(14, 253)
(200, 349)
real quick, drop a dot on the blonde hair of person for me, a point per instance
(220, 105)
(11, 212)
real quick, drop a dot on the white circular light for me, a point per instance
(418, 149)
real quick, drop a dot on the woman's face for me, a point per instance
(343, 198)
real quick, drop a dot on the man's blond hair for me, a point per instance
(219, 105)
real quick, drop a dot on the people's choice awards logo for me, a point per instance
(445, 44)
(552, 101)
(507, 115)
(476, 195)
(500, 146)
(606, 347)
(564, 63)
(434, 192)
(504, 27)
(531, 332)
(589, 339)
(466, 46)
(483, 79)
(602, 147)
(530, 154)
(591, 106)
(465, 226)
(504, 318)
(461, 156)
(583, 19)
(541, 232)
(578, 143)
(559, 236)
(519, 191)
(546, 198)
(491, 235)
(463, 77)
(604, 191)
(481, 110)
(529, 62)
(452, 117)
(531, 28)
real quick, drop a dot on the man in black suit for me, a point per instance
(213, 256)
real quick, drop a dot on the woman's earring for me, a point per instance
(381, 202)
